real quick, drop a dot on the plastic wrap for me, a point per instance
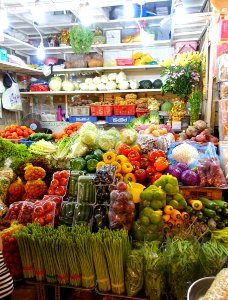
(83, 214)
(134, 273)
(210, 173)
(86, 189)
(59, 183)
(100, 217)
(25, 214)
(4, 185)
(3, 210)
(105, 175)
(44, 212)
(58, 201)
(67, 213)
(148, 142)
(12, 213)
(122, 210)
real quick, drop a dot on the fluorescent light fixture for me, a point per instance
(129, 10)
(40, 51)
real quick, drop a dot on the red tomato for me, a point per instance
(60, 191)
(64, 174)
(63, 181)
(39, 220)
(55, 182)
(38, 211)
(57, 175)
(49, 218)
(7, 133)
(48, 206)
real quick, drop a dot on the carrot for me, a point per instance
(166, 217)
(175, 215)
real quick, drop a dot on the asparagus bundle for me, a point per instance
(100, 263)
(83, 240)
(74, 264)
(23, 240)
(60, 259)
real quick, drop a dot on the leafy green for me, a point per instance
(63, 147)
(81, 39)
(18, 153)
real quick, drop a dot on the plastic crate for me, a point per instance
(114, 120)
(27, 143)
(101, 110)
(196, 193)
(124, 110)
(79, 111)
(82, 119)
(142, 112)
(181, 47)
(125, 61)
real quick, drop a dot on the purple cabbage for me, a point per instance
(174, 171)
(189, 178)
(182, 166)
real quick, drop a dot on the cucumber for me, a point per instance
(199, 215)
(221, 204)
(208, 212)
(208, 203)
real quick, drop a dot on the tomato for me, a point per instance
(38, 211)
(49, 218)
(25, 133)
(39, 220)
(55, 182)
(19, 131)
(57, 200)
(57, 175)
(7, 133)
(60, 191)
(14, 135)
(48, 206)
(64, 174)
(63, 181)
(51, 191)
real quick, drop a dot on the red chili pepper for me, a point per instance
(156, 177)
(135, 164)
(144, 161)
(150, 172)
(134, 155)
(140, 175)
(124, 149)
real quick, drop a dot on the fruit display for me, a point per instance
(12, 213)
(15, 131)
(122, 209)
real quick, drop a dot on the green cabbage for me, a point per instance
(129, 136)
(55, 84)
(106, 141)
(89, 137)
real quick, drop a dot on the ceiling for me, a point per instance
(59, 15)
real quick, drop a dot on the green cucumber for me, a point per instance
(208, 212)
(208, 203)
(189, 210)
(199, 215)
(221, 204)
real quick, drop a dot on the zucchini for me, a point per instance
(221, 204)
(208, 212)
(209, 203)
(199, 215)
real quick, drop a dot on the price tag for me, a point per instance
(176, 125)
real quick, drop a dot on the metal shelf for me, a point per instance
(7, 66)
(92, 92)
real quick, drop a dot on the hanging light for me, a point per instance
(129, 10)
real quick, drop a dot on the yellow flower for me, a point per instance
(167, 62)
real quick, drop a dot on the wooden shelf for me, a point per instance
(92, 92)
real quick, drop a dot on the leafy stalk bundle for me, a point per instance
(154, 269)
(182, 265)
(83, 240)
(212, 258)
(100, 263)
(23, 240)
(134, 273)
(116, 247)
(74, 264)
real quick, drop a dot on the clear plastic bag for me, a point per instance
(26, 212)
(4, 185)
(59, 183)
(100, 217)
(58, 201)
(13, 213)
(67, 213)
(44, 212)
(148, 142)
(3, 209)
(105, 175)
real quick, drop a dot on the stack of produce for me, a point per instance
(68, 131)
(142, 105)
(15, 131)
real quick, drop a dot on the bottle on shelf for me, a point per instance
(59, 113)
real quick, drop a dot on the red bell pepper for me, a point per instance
(154, 155)
(150, 172)
(135, 164)
(134, 155)
(145, 162)
(156, 177)
(140, 175)
(124, 149)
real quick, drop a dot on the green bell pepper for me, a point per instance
(146, 195)
(98, 153)
(90, 156)
(78, 164)
(91, 165)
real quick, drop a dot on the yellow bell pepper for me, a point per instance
(130, 177)
(117, 165)
(100, 164)
(146, 58)
(138, 62)
(109, 157)
(119, 177)
(127, 168)
(121, 159)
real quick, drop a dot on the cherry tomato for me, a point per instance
(49, 218)
(39, 220)
(55, 182)
(60, 191)
(64, 174)
(63, 181)
(57, 175)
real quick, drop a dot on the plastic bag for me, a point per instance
(12, 213)
(6, 170)
(44, 212)
(11, 99)
(83, 214)
(78, 149)
(210, 173)
(129, 136)
(4, 185)
(3, 209)
(148, 142)
(58, 201)
(25, 214)
(59, 183)
(107, 139)
(190, 152)
(105, 175)
(100, 217)
(134, 273)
